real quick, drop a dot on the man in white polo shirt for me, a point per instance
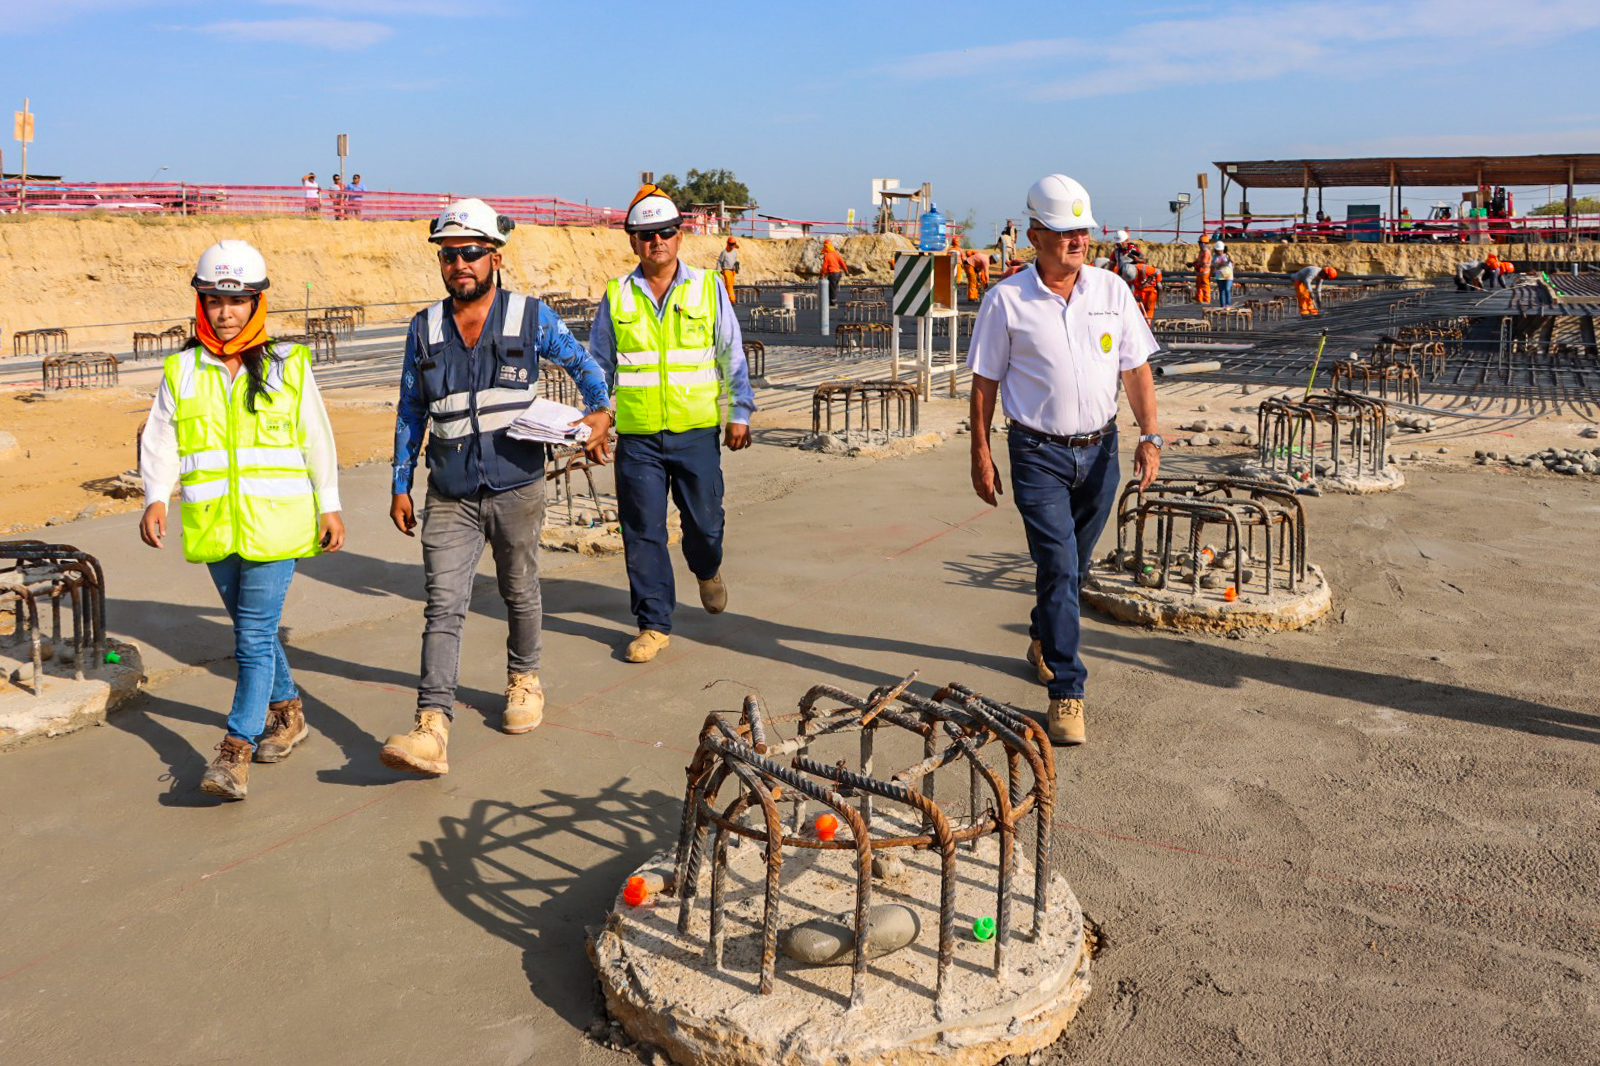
(1056, 340)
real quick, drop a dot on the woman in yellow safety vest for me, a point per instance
(239, 426)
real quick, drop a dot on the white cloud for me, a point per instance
(341, 34)
(436, 8)
(1258, 43)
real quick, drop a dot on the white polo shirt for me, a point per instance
(1058, 362)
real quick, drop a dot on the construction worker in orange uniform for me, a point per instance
(975, 265)
(1202, 272)
(1145, 281)
(833, 268)
(1305, 280)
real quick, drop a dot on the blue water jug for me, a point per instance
(933, 230)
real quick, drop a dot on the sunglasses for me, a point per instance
(665, 234)
(470, 252)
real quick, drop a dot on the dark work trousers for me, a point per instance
(649, 465)
(1065, 496)
(833, 287)
(454, 533)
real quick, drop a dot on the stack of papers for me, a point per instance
(548, 422)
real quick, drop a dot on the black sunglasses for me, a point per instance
(665, 234)
(470, 252)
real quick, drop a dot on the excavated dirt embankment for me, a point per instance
(78, 272)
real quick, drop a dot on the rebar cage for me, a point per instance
(743, 769)
(1287, 435)
(1249, 513)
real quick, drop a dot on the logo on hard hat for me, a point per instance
(1105, 343)
(1077, 208)
(455, 216)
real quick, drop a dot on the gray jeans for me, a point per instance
(453, 535)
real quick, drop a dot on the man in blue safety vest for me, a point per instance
(667, 339)
(471, 367)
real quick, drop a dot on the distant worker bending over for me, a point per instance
(975, 266)
(471, 367)
(666, 335)
(1057, 340)
(1308, 288)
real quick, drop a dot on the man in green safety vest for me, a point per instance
(668, 341)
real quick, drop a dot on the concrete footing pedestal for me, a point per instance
(1117, 593)
(661, 988)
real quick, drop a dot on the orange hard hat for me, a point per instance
(1492, 260)
(1329, 272)
(732, 243)
(1507, 268)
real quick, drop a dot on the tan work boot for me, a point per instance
(524, 703)
(643, 648)
(714, 594)
(1036, 660)
(1065, 722)
(286, 727)
(228, 775)
(421, 751)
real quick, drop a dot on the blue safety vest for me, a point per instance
(474, 394)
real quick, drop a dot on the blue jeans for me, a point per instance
(1224, 292)
(253, 593)
(1065, 496)
(454, 532)
(689, 464)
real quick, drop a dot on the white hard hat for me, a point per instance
(1122, 234)
(651, 209)
(1217, 246)
(1058, 202)
(231, 268)
(471, 218)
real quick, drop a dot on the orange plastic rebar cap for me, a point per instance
(635, 892)
(827, 825)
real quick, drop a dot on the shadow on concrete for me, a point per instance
(536, 876)
(188, 626)
(1214, 663)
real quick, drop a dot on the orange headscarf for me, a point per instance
(254, 332)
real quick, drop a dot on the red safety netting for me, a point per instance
(210, 199)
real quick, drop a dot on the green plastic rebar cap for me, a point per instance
(113, 657)
(983, 929)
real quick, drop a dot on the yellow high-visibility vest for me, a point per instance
(666, 364)
(245, 486)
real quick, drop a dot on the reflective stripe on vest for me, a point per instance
(450, 416)
(245, 486)
(666, 362)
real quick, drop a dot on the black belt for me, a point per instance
(1082, 440)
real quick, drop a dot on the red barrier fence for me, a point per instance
(184, 198)
(1527, 229)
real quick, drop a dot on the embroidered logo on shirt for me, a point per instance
(514, 373)
(1105, 343)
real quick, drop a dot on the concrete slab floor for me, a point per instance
(1372, 841)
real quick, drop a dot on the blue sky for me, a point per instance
(804, 102)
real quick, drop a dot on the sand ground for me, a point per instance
(1368, 842)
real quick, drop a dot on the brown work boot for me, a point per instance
(643, 648)
(286, 727)
(421, 751)
(1036, 660)
(1065, 722)
(228, 775)
(524, 703)
(713, 594)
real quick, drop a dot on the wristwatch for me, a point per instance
(1152, 438)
